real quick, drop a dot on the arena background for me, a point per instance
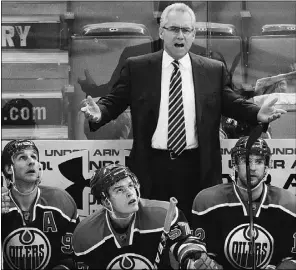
(45, 49)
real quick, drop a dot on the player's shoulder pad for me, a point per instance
(152, 213)
(90, 231)
(60, 199)
(213, 197)
(281, 198)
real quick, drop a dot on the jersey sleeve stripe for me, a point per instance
(58, 210)
(280, 207)
(94, 246)
(199, 213)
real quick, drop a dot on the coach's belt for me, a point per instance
(188, 153)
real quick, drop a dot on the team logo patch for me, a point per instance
(130, 261)
(238, 246)
(26, 248)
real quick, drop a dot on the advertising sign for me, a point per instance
(42, 109)
(30, 35)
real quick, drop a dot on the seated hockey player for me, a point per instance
(126, 232)
(38, 223)
(221, 215)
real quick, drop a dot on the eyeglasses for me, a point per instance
(175, 30)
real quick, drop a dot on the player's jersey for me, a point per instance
(42, 238)
(221, 219)
(97, 246)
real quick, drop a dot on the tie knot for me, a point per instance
(175, 64)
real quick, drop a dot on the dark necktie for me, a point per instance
(176, 122)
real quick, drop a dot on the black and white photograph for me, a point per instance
(140, 134)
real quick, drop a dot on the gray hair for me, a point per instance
(176, 7)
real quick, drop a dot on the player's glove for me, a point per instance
(194, 257)
(60, 267)
(65, 264)
(287, 264)
(270, 267)
(206, 262)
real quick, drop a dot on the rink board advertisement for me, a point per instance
(70, 164)
(30, 35)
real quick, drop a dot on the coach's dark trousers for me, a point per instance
(177, 177)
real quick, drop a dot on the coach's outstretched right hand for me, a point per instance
(91, 110)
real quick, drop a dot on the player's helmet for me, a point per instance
(259, 148)
(12, 149)
(106, 177)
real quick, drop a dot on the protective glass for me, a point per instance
(252, 161)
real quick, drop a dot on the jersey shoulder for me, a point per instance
(152, 213)
(59, 199)
(281, 198)
(90, 231)
(221, 195)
